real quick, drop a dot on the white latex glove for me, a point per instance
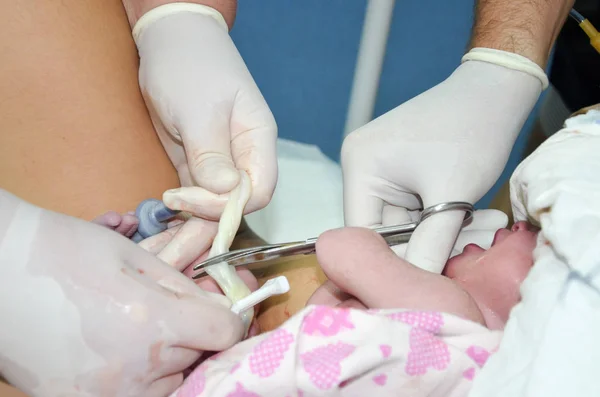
(208, 112)
(480, 231)
(450, 143)
(87, 312)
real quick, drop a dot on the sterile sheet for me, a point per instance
(308, 197)
(551, 344)
(326, 351)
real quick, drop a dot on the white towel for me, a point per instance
(307, 200)
(551, 344)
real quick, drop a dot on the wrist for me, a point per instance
(137, 8)
(508, 60)
(527, 28)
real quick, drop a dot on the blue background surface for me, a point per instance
(302, 54)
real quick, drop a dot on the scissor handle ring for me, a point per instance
(449, 206)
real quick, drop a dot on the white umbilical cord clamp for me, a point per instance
(173, 8)
(275, 286)
(508, 60)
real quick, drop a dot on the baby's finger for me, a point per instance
(110, 219)
(128, 225)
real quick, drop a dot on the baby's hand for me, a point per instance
(363, 272)
(125, 224)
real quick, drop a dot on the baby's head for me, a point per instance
(493, 277)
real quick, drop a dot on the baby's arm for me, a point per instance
(359, 263)
(125, 224)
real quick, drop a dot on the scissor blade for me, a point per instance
(393, 235)
(387, 231)
(262, 254)
(287, 250)
(226, 257)
(399, 234)
(239, 253)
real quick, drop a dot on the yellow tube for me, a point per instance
(592, 33)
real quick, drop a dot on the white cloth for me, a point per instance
(308, 197)
(551, 345)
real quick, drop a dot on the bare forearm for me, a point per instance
(136, 8)
(524, 27)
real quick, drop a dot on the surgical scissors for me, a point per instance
(393, 235)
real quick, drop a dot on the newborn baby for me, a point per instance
(380, 325)
(478, 285)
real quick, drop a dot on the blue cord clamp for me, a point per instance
(154, 217)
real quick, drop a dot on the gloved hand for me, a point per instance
(480, 231)
(450, 143)
(208, 112)
(86, 311)
(161, 246)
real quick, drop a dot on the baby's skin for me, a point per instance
(478, 285)
(125, 224)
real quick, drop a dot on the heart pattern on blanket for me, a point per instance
(240, 391)
(323, 364)
(326, 321)
(469, 373)
(267, 356)
(426, 351)
(194, 384)
(427, 321)
(380, 379)
(386, 350)
(478, 354)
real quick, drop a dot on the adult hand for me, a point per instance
(86, 311)
(208, 112)
(448, 144)
(480, 231)
(161, 246)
